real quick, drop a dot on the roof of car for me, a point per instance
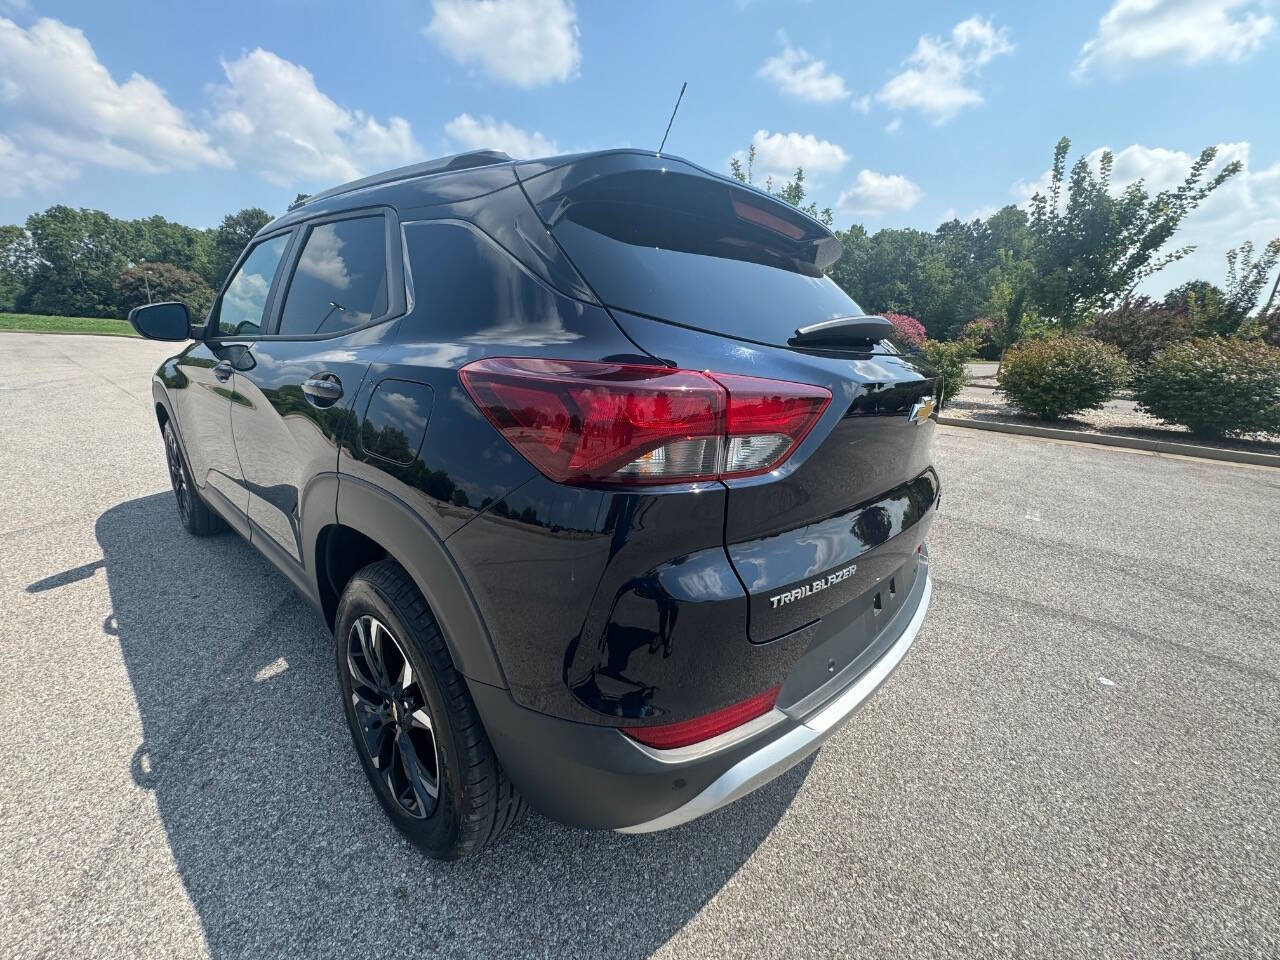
(458, 176)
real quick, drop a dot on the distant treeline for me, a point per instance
(88, 263)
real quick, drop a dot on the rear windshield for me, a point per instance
(698, 252)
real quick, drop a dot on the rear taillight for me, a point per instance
(667, 736)
(583, 422)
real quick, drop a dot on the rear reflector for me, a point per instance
(667, 736)
(586, 422)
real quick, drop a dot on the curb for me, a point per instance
(1109, 440)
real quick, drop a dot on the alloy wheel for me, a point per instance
(397, 733)
(177, 474)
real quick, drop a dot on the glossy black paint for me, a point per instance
(603, 607)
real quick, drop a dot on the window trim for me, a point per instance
(211, 324)
(396, 296)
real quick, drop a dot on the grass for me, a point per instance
(37, 323)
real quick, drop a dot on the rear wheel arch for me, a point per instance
(375, 525)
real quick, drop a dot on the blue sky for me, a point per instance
(901, 114)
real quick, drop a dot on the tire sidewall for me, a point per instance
(187, 509)
(437, 833)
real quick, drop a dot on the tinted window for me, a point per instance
(697, 252)
(240, 314)
(465, 285)
(341, 278)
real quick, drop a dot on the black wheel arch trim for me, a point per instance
(393, 525)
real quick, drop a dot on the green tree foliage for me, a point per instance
(1091, 245)
(946, 278)
(69, 262)
(80, 254)
(230, 238)
(17, 265)
(163, 281)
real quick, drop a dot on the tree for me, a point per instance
(163, 281)
(793, 191)
(1093, 246)
(1247, 279)
(903, 271)
(1008, 301)
(230, 239)
(79, 255)
(17, 265)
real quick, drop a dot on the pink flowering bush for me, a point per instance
(908, 332)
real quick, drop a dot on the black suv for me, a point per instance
(614, 501)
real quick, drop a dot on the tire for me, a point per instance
(194, 513)
(435, 772)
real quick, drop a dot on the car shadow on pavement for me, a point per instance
(280, 844)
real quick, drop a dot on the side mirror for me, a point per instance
(162, 321)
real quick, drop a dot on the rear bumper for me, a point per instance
(593, 776)
(778, 756)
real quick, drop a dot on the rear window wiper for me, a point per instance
(843, 332)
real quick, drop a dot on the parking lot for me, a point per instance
(1080, 757)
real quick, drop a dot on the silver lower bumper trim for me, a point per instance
(780, 755)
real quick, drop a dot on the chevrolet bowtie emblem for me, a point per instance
(922, 410)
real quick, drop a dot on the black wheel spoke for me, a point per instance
(396, 728)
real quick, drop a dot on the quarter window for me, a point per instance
(341, 278)
(245, 299)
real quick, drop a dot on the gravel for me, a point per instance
(1079, 758)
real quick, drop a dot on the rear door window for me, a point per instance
(340, 281)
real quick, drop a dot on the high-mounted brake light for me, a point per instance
(668, 736)
(586, 422)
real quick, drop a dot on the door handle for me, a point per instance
(222, 371)
(323, 390)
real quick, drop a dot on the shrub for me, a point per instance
(1214, 386)
(950, 360)
(908, 332)
(980, 333)
(1052, 379)
(1142, 328)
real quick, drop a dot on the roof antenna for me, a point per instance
(673, 117)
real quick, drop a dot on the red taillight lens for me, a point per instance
(584, 422)
(670, 735)
(766, 420)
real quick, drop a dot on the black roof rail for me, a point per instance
(457, 161)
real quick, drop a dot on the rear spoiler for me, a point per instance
(633, 176)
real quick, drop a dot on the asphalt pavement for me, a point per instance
(1079, 758)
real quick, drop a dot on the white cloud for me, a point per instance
(21, 171)
(879, 193)
(779, 154)
(939, 75)
(485, 133)
(526, 43)
(71, 112)
(1183, 31)
(800, 75)
(861, 104)
(271, 115)
(1246, 207)
(893, 126)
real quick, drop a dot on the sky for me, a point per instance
(901, 114)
